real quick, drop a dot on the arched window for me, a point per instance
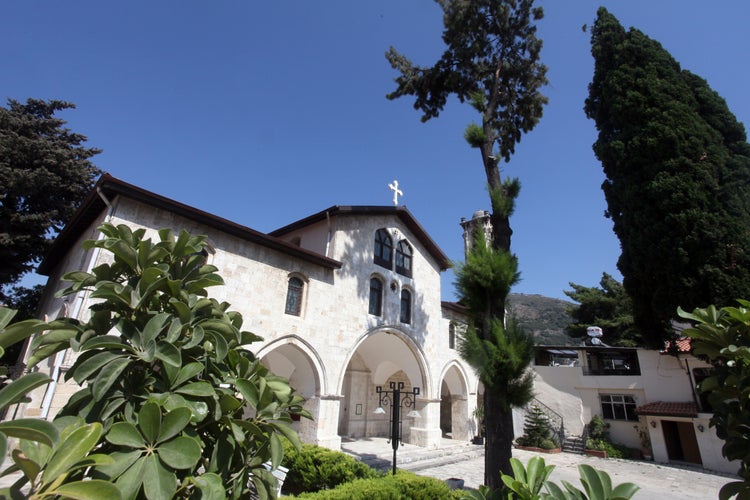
(376, 297)
(383, 248)
(405, 306)
(452, 335)
(403, 258)
(294, 296)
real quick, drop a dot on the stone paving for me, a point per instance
(665, 482)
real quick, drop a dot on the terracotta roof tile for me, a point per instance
(668, 409)
(682, 345)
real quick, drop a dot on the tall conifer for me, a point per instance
(677, 169)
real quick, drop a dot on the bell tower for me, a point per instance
(480, 221)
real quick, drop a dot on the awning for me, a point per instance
(668, 409)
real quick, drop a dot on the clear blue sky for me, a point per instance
(265, 112)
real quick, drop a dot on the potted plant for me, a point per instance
(643, 435)
(478, 413)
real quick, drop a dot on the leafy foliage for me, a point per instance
(313, 468)
(597, 485)
(401, 485)
(45, 173)
(183, 408)
(677, 166)
(527, 483)
(608, 307)
(723, 336)
(50, 456)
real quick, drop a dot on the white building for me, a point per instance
(631, 389)
(346, 300)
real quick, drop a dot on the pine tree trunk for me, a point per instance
(499, 442)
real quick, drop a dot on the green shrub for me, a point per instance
(404, 485)
(598, 429)
(547, 444)
(315, 468)
(614, 450)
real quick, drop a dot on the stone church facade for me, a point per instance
(346, 300)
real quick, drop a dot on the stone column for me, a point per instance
(425, 431)
(326, 422)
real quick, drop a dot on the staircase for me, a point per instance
(377, 453)
(576, 444)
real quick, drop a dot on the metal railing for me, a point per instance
(555, 419)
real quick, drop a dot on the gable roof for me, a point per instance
(111, 187)
(401, 212)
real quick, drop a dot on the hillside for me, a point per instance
(544, 316)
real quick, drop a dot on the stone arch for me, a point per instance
(293, 358)
(455, 418)
(379, 357)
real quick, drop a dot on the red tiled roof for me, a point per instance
(668, 409)
(681, 345)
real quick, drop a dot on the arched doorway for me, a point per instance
(382, 357)
(455, 421)
(297, 363)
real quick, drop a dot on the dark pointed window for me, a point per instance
(294, 296)
(383, 248)
(403, 258)
(405, 306)
(452, 336)
(376, 297)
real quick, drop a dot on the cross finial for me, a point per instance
(396, 192)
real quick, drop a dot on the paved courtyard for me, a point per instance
(657, 481)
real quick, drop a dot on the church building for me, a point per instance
(346, 300)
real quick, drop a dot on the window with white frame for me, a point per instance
(618, 407)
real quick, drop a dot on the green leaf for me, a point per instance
(174, 422)
(85, 369)
(201, 389)
(125, 434)
(187, 372)
(122, 461)
(181, 452)
(3, 448)
(168, 353)
(625, 490)
(277, 451)
(289, 433)
(105, 342)
(158, 482)
(29, 467)
(33, 429)
(108, 375)
(93, 489)
(73, 449)
(154, 327)
(18, 389)
(149, 420)
(593, 482)
(248, 390)
(211, 486)
(17, 331)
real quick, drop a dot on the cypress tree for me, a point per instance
(677, 169)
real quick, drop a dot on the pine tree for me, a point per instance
(536, 428)
(45, 173)
(606, 306)
(492, 60)
(677, 168)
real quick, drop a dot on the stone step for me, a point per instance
(378, 454)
